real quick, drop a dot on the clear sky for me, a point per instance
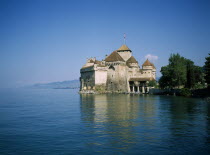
(50, 40)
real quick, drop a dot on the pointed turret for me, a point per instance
(123, 48)
(124, 52)
(148, 63)
(132, 60)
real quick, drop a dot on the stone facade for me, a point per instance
(118, 72)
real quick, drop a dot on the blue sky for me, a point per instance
(49, 40)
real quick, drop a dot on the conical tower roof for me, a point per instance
(132, 60)
(114, 56)
(124, 48)
(148, 63)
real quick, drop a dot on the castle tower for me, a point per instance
(148, 66)
(124, 52)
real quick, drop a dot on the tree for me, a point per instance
(190, 72)
(207, 70)
(152, 84)
(181, 72)
(165, 80)
(199, 77)
(174, 74)
(195, 75)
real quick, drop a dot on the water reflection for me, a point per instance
(130, 123)
(181, 113)
(118, 118)
(186, 121)
(208, 123)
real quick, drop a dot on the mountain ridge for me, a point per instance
(71, 84)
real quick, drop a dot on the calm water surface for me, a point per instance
(61, 121)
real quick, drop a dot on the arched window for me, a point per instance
(112, 67)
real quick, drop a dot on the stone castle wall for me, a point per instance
(125, 55)
(87, 78)
(117, 79)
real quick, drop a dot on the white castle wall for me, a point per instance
(125, 55)
(100, 77)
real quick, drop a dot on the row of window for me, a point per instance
(114, 64)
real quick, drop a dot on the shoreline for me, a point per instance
(197, 93)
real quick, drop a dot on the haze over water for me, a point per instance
(61, 121)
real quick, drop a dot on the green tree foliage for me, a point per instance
(152, 84)
(177, 67)
(199, 77)
(185, 92)
(190, 71)
(180, 72)
(207, 70)
(165, 80)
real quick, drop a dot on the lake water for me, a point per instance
(61, 121)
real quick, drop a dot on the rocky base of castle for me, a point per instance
(88, 92)
(108, 92)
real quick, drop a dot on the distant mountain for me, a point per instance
(73, 84)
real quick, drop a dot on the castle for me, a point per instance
(118, 72)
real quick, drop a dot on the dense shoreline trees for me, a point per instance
(207, 70)
(181, 73)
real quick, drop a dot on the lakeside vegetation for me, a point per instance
(182, 74)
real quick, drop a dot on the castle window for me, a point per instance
(111, 67)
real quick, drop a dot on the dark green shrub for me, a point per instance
(152, 84)
(185, 92)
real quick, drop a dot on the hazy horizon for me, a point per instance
(48, 41)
